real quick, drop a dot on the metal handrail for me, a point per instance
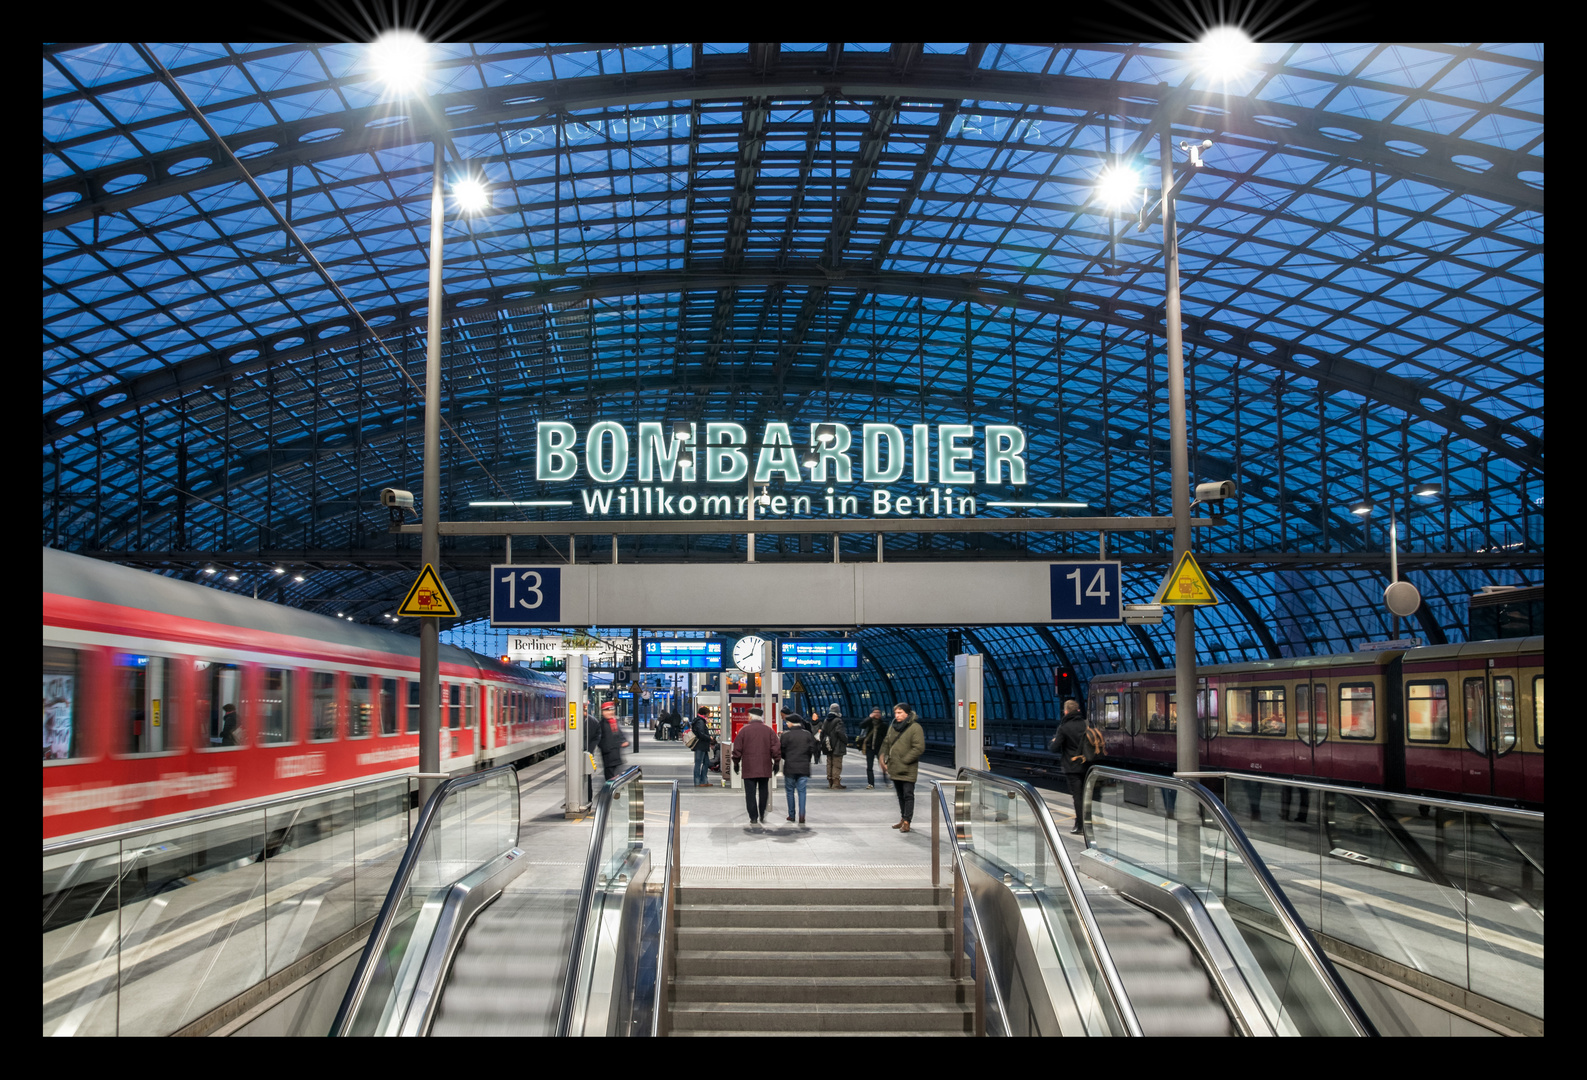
(115, 835)
(669, 882)
(984, 955)
(1300, 937)
(1531, 816)
(1094, 939)
(399, 887)
(592, 865)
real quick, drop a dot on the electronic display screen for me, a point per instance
(841, 654)
(695, 655)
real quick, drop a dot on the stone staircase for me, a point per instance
(817, 961)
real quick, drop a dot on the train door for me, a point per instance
(1489, 763)
(1321, 747)
(1304, 765)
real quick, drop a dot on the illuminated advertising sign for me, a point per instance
(803, 653)
(693, 655)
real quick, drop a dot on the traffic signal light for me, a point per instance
(553, 663)
(1064, 683)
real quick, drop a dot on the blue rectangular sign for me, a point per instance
(840, 655)
(525, 595)
(682, 655)
(1086, 592)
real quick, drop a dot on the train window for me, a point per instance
(1427, 711)
(1537, 709)
(1503, 714)
(1475, 692)
(452, 712)
(413, 706)
(218, 690)
(275, 705)
(145, 690)
(468, 707)
(322, 688)
(387, 704)
(1270, 715)
(1357, 712)
(1157, 711)
(1319, 701)
(63, 685)
(1209, 716)
(1303, 712)
(1241, 710)
(1112, 712)
(359, 707)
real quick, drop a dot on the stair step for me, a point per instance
(818, 896)
(830, 916)
(791, 963)
(825, 938)
(821, 1019)
(871, 989)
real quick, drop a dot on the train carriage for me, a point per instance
(163, 698)
(1459, 720)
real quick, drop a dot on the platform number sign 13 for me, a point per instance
(525, 595)
(1086, 592)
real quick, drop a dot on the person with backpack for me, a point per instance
(699, 740)
(1075, 744)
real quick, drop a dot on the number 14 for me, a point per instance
(1097, 588)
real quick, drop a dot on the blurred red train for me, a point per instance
(1465, 721)
(163, 698)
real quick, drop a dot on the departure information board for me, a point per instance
(685, 655)
(840, 654)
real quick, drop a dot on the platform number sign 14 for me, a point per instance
(525, 595)
(1085, 592)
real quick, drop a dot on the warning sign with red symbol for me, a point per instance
(429, 597)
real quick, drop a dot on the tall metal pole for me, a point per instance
(1189, 757)
(430, 540)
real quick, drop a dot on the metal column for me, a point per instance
(430, 542)
(770, 691)
(575, 762)
(969, 721)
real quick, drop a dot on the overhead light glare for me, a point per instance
(1362, 508)
(232, 577)
(279, 570)
(1226, 51)
(1429, 490)
(398, 58)
(298, 578)
(1118, 185)
(471, 194)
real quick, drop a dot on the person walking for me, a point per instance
(875, 731)
(756, 752)
(835, 743)
(700, 728)
(610, 741)
(798, 748)
(901, 753)
(1070, 746)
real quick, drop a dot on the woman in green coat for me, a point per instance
(901, 752)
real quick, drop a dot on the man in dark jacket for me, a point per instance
(835, 743)
(756, 752)
(798, 747)
(609, 739)
(701, 729)
(875, 731)
(1070, 746)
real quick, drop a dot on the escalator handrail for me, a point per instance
(1534, 817)
(592, 866)
(983, 954)
(1094, 939)
(1300, 937)
(669, 883)
(354, 996)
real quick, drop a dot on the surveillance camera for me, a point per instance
(1206, 144)
(396, 498)
(1216, 491)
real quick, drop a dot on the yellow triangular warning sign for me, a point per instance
(1185, 585)
(429, 597)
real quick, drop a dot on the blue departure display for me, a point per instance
(838, 655)
(695, 655)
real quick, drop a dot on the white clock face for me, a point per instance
(747, 654)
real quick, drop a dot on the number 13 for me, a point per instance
(512, 590)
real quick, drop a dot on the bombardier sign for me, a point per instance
(944, 463)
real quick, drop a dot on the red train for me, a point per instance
(163, 698)
(1464, 721)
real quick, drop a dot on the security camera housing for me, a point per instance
(396, 498)
(1216, 491)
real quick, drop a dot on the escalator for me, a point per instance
(478, 937)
